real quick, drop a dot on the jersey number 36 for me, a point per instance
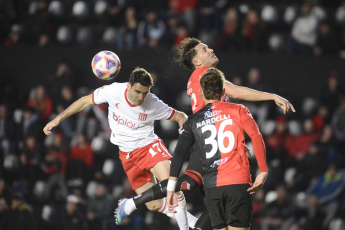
(220, 141)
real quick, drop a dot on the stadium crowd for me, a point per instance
(73, 178)
(315, 27)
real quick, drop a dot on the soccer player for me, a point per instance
(195, 55)
(218, 130)
(132, 111)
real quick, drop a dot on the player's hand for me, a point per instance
(172, 201)
(259, 182)
(284, 104)
(47, 129)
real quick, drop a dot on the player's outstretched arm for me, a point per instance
(251, 128)
(180, 118)
(247, 94)
(75, 107)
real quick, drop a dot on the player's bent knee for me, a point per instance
(190, 180)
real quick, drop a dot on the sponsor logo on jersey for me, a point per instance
(212, 120)
(209, 114)
(219, 162)
(117, 105)
(142, 116)
(125, 122)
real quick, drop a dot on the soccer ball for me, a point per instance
(106, 65)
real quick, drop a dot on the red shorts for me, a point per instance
(137, 164)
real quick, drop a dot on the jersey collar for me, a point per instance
(128, 102)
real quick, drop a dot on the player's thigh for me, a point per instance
(161, 170)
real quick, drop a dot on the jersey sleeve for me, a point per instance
(251, 128)
(162, 110)
(185, 141)
(101, 94)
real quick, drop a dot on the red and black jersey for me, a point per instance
(194, 89)
(218, 131)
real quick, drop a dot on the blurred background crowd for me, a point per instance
(286, 26)
(73, 178)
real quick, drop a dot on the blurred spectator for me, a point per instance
(99, 208)
(7, 132)
(42, 103)
(128, 30)
(338, 120)
(80, 162)
(44, 40)
(326, 42)
(210, 16)
(326, 194)
(279, 141)
(38, 22)
(92, 120)
(31, 159)
(19, 217)
(302, 142)
(303, 33)
(253, 32)
(181, 34)
(69, 217)
(54, 167)
(5, 199)
(230, 38)
(15, 36)
(115, 11)
(255, 81)
(66, 98)
(173, 22)
(186, 9)
(29, 126)
(321, 118)
(151, 30)
(278, 214)
(63, 76)
(331, 94)
(331, 146)
(306, 170)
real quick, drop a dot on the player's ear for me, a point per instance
(128, 86)
(202, 94)
(196, 62)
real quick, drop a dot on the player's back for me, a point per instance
(218, 130)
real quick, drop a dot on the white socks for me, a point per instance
(184, 219)
(182, 202)
(130, 206)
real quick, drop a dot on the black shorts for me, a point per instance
(230, 205)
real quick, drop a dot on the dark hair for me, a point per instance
(141, 76)
(212, 84)
(186, 52)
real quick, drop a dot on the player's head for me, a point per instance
(140, 82)
(212, 84)
(192, 53)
